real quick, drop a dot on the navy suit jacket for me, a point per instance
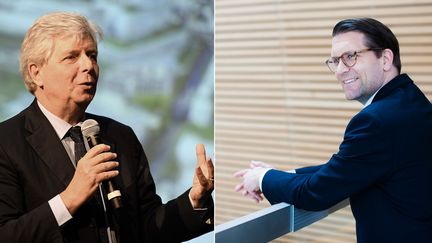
(384, 165)
(34, 167)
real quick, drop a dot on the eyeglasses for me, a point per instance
(348, 58)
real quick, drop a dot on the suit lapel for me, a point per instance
(395, 83)
(45, 142)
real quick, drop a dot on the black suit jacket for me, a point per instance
(384, 165)
(35, 167)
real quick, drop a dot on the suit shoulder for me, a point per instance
(12, 126)
(109, 124)
(404, 103)
(13, 120)
(365, 119)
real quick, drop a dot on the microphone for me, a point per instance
(90, 130)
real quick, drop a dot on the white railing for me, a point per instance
(270, 223)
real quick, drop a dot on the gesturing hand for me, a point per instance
(96, 166)
(249, 187)
(203, 180)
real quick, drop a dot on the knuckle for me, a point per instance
(91, 179)
(109, 156)
(109, 166)
(105, 156)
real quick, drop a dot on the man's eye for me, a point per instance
(350, 56)
(69, 57)
(94, 57)
(334, 60)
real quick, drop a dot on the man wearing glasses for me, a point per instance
(384, 163)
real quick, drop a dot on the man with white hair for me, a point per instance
(50, 188)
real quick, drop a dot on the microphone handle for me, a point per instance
(113, 194)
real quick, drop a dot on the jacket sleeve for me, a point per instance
(364, 157)
(308, 169)
(17, 224)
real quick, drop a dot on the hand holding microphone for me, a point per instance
(90, 130)
(96, 166)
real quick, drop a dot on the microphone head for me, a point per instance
(90, 127)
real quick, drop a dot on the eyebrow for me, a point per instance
(76, 52)
(343, 53)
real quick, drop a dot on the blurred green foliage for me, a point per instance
(155, 35)
(157, 103)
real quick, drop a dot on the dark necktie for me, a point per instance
(77, 137)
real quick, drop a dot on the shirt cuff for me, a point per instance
(262, 177)
(59, 210)
(197, 209)
(206, 213)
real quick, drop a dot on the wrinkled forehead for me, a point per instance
(347, 42)
(67, 42)
(77, 37)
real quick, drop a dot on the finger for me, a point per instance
(210, 168)
(105, 156)
(201, 178)
(105, 166)
(256, 196)
(251, 188)
(200, 154)
(106, 175)
(239, 187)
(241, 173)
(260, 197)
(100, 148)
(248, 194)
(251, 196)
(102, 157)
(255, 163)
(202, 161)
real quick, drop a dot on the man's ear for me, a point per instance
(387, 56)
(34, 71)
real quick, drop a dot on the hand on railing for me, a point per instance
(250, 187)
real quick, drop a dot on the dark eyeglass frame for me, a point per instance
(349, 55)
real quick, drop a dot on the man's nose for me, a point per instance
(86, 63)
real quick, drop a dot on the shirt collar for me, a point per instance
(369, 101)
(60, 126)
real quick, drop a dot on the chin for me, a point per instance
(85, 101)
(350, 97)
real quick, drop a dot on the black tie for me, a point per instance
(77, 137)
